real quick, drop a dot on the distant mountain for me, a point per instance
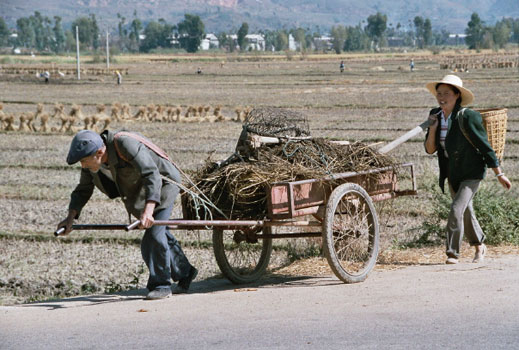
(224, 15)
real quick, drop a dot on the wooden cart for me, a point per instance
(339, 207)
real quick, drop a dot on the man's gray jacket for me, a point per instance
(136, 180)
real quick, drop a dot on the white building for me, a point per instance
(456, 39)
(323, 43)
(292, 46)
(209, 42)
(255, 42)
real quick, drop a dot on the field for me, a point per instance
(375, 100)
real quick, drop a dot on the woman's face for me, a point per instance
(446, 97)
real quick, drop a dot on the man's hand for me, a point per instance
(146, 218)
(67, 223)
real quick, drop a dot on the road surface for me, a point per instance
(464, 306)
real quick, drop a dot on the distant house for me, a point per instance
(395, 41)
(255, 42)
(292, 44)
(456, 39)
(323, 43)
(210, 41)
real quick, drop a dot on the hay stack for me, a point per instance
(239, 187)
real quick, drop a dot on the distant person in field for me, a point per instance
(458, 137)
(119, 77)
(411, 65)
(46, 76)
(341, 67)
(129, 166)
(199, 70)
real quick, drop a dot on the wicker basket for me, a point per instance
(494, 121)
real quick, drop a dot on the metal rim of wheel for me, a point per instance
(240, 261)
(351, 233)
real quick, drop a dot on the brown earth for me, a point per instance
(358, 105)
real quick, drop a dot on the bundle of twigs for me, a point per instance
(239, 189)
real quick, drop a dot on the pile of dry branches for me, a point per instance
(239, 189)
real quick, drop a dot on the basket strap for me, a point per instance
(462, 127)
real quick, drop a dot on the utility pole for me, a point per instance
(77, 54)
(107, 52)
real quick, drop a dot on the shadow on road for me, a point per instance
(210, 285)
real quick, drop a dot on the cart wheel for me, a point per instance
(350, 233)
(241, 261)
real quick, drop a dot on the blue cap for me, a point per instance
(84, 144)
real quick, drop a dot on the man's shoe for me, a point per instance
(159, 293)
(480, 254)
(183, 284)
(451, 261)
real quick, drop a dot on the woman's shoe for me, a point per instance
(480, 254)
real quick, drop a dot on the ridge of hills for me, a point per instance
(225, 15)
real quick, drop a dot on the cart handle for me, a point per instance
(130, 227)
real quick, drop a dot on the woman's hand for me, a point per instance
(433, 121)
(430, 142)
(505, 182)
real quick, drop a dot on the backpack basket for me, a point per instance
(494, 121)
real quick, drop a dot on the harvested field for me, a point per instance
(362, 104)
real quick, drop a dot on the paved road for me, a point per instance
(466, 306)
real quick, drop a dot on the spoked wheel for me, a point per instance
(351, 233)
(241, 258)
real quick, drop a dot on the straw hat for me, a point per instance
(466, 95)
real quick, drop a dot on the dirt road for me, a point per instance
(465, 306)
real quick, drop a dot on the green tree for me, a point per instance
(377, 25)
(136, 27)
(339, 35)
(281, 41)
(501, 33)
(70, 40)
(299, 35)
(25, 30)
(95, 31)
(88, 31)
(4, 33)
(270, 39)
(122, 31)
(475, 31)
(427, 33)
(191, 31)
(42, 31)
(59, 35)
(419, 31)
(356, 39)
(224, 41)
(241, 36)
(157, 34)
(515, 30)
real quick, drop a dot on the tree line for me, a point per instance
(44, 34)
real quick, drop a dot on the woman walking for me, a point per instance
(458, 137)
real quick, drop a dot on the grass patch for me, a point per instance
(497, 211)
